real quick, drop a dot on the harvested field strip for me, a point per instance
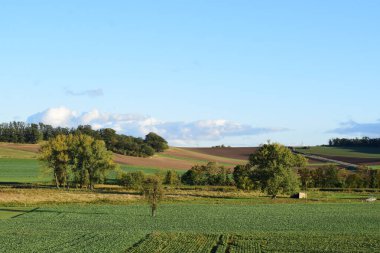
(239, 153)
(14, 153)
(193, 154)
(194, 161)
(31, 148)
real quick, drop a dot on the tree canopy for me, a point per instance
(271, 169)
(77, 159)
(20, 132)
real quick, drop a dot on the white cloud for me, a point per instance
(90, 93)
(355, 128)
(59, 116)
(177, 133)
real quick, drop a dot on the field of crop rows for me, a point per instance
(192, 228)
(188, 242)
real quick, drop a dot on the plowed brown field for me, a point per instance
(240, 153)
(173, 158)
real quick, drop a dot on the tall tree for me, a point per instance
(274, 169)
(55, 155)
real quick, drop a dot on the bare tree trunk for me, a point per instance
(67, 182)
(154, 208)
(56, 180)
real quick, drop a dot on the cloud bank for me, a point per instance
(89, 93)
(355, 128)
(177, 133)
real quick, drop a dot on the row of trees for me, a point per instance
(333, 177)
(20, 132)
(356, 142)
(210, 174)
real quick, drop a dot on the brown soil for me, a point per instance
(154, 162)
(354, 160)
(241, 153)
(187, 153)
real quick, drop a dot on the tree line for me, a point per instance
(332, 177)
(21, 132)
(273, 169)
(355, 142)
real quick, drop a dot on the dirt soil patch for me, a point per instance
(241, 153)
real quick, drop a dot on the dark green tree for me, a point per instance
(274, 169)
(158, 143)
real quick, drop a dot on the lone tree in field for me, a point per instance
(153, 192)
(77, 158)
(274, 166)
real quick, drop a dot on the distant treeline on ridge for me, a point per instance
(21, 132)
(356, 142)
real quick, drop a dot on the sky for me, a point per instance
(198, 72)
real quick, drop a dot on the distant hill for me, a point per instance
(173, 158)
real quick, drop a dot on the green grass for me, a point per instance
(14, 153)
(22, 171)
(360, 152)
(117, 228)
(30, 171)
(375, 167)
(11, 212)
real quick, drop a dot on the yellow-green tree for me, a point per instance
(79, 159)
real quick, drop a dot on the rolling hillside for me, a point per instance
(18, 163)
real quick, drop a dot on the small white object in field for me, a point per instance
(372, 199)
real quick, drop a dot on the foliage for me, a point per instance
(20, 132)
(153, 192)
(356, 142)
(332, 177)
(76, 158)
(155, 141)
(132, 180)
(271, 170)
(210, 174)
(172, 178)
(242, 177)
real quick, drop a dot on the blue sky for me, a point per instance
(197, 72)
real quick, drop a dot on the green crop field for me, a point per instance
(208, 228)
(22, 171)
(360, 152)
(31, 171)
